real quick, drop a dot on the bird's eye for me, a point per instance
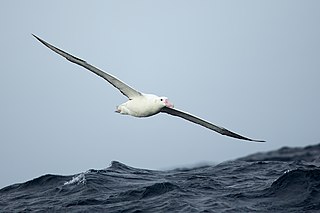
(161, 99)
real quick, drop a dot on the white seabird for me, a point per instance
(140, 104)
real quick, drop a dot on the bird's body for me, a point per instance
(143, 105)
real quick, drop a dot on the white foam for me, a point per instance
(78, 179)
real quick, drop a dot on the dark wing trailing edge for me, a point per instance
(124, 88)
(194, 119)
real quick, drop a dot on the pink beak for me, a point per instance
(168, 104)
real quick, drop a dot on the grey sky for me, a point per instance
(249, 66)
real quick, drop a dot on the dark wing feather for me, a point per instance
(124, 88)
(194, 119)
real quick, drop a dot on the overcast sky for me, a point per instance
(250, 66)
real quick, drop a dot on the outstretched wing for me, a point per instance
(124, 88)
(194, 119)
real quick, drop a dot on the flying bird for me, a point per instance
(140, 104)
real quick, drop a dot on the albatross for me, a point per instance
(140, 104)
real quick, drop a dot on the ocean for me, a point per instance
(285, 180)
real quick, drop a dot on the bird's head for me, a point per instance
(165, 102)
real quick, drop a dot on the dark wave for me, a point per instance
(300, 180)
(299, 188)
(307, 154)
(153, 190)
(285, 180)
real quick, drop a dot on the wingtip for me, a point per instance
(258, 141)
(39, 39)
(35, 36)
